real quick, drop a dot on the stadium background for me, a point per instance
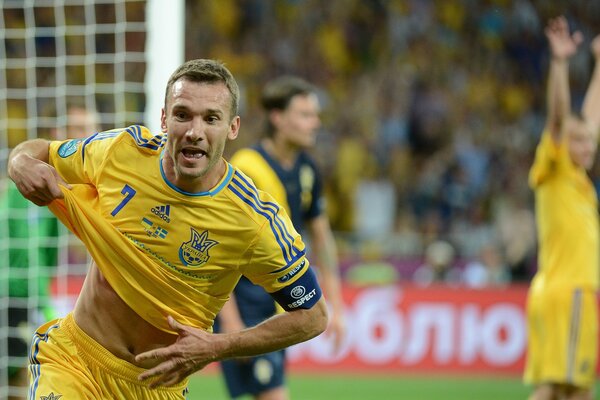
(432, 110)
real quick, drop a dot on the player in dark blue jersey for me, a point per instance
(280, 165)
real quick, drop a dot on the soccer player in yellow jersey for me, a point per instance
(171, 227)
(562, 305)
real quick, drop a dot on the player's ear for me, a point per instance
(163, 120)
(275, 117)
(234, 128)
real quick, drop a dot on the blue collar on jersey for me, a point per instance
(212, 192)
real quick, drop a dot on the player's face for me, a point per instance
(298, 124)
(197, 119)
(582, 145)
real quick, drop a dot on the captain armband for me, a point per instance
(303, 293)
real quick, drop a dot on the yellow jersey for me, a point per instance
(566, 207)
(166, 251)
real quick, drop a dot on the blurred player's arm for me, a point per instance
(28, 167)
(195, 348)
(563, 46)
(326, 260)
(591, 102)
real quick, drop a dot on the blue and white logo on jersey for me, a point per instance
(298, 291)
(68, 148)
(195, 252)
(154, 230)
(163, 212)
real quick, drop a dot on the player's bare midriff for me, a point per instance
(106, 318)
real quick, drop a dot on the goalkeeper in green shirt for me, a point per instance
(28, 256)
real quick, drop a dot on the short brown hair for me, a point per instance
(210, 71)
(278, 93)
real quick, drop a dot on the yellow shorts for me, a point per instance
(563, 337)
(65, 362)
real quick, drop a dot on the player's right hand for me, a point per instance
(563, 44)
(37, 181)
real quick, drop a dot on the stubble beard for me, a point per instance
(213, 158)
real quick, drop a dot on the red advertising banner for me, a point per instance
(436, 329)
(392, 329)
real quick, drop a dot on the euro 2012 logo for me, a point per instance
(195, 252)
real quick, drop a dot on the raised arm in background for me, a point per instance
(591, 103)
(563, 46)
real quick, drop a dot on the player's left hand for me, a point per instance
(192, 351)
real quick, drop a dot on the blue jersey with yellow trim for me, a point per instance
(200, 243)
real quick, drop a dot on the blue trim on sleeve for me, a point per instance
(98, 136)
(304, 293)
(249, 194)
(268, 210)
(156, 142)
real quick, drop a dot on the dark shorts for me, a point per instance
(254, 375)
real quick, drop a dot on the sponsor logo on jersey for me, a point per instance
(195, 252)
(68, 148)
(163, 212)
(154, 230)
(293, 272)
(51, 396)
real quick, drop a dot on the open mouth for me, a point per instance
(193, 154)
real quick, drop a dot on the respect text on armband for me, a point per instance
(303, 299)
(303, 293)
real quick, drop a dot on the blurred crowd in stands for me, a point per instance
(432, 112)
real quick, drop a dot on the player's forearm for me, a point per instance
(591, 102)
(332, 288)
(276, 333)
(324, 247)
(326, 252)
(229, 317)
(558, 94)
(326, 260)
(21, 155)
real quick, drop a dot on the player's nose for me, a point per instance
(196, 131)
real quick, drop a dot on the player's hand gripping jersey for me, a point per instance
(169, 252)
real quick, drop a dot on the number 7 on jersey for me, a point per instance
(129, 192)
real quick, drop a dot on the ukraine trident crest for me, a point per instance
(195, 252)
